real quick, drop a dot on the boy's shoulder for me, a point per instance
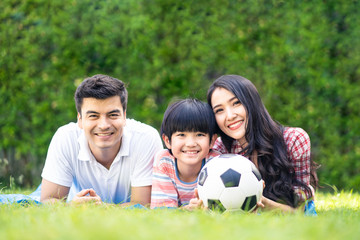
(164, 157)
(213, 153)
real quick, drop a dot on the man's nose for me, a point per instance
(104, 123)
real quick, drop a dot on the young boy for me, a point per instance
(189, 132)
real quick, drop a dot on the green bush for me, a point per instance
(302, 56)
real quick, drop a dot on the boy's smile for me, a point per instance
(189, 148)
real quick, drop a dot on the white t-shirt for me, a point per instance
(69, 162)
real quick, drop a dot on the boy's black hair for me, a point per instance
(190, 115)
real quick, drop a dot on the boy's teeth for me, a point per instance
(191, 152)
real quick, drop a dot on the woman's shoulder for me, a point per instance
(295, 133)
(219, 146)
(296, 139)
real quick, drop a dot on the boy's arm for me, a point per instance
(163, 193)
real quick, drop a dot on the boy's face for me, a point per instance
(103, 121)
(189, 148)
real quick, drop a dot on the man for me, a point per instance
(104, 157)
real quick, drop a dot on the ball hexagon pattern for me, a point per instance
(230, 182)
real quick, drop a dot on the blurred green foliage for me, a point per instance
(303, 56)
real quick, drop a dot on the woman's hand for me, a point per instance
(268, 204)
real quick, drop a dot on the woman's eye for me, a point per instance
(237, 102)
(219, 110)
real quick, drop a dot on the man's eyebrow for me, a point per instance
(91, 112)
(114, 111)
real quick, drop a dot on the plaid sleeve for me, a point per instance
(299, 149)
(219, 146)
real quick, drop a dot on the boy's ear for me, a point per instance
(213, 139)
(166, 141)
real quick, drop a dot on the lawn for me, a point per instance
(338, 218)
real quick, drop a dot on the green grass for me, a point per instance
(338, 218)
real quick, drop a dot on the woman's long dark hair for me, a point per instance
(265, 137)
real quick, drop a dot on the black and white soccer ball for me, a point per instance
(230, 182)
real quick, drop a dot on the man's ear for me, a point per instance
(213, 139)
(166, 141)
(79, 122)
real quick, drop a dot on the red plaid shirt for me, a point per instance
(298, 149)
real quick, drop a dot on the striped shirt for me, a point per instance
(167, 188)
(298, 149)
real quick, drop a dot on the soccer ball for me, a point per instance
(230, 182)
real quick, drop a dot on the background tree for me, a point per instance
(302, 56)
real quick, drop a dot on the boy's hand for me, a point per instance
(195, 203)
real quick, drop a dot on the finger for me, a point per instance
(260, 204)
(92, 192)
(196, 193)
(83, 192)
(86, 199)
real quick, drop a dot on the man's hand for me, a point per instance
(87, 195)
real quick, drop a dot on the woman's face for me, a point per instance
(230, 114)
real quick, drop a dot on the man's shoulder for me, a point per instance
(71, 129)
(135, 126)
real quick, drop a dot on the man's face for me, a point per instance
(103, 121)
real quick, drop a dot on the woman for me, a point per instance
(282, 154)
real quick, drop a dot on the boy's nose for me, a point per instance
(190, 141)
